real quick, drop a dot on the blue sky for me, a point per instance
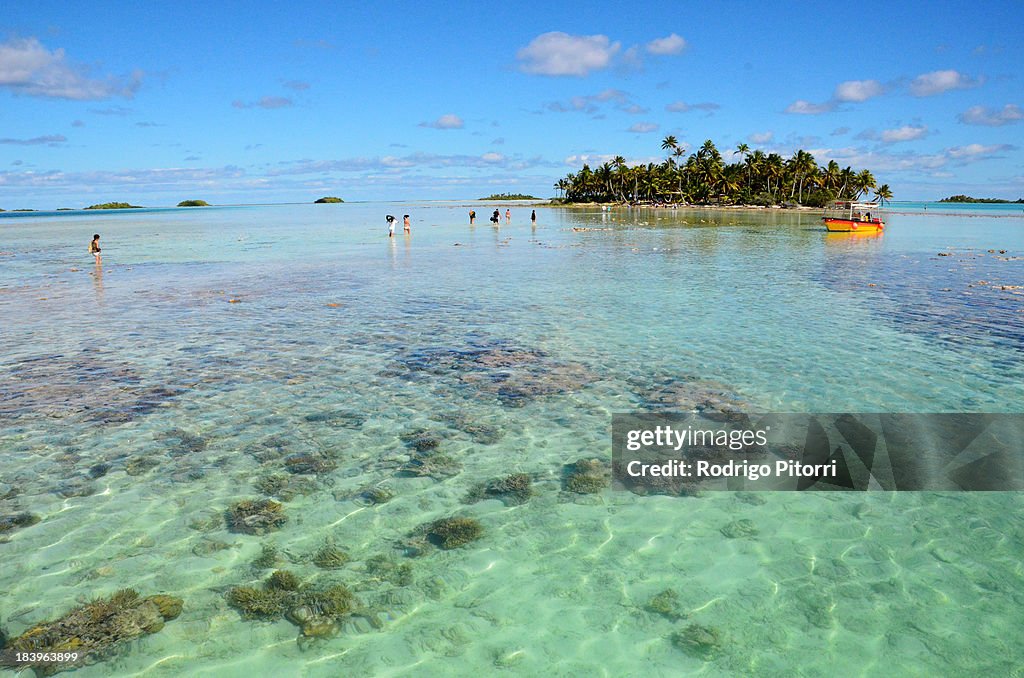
(272, 102)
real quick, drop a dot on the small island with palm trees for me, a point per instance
(757, 179)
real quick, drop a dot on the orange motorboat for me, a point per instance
(853, 217)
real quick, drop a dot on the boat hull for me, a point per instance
(835, 225)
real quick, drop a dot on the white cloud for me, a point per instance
(27, 67)
(937, 82)
(589, 103)
(558, 53)
(446, 121)
(803, 107)
(297, 85)
(683, 107)
(264, 102)
(635, 109)
(672, 44)
(979, 115)
(977, 151)
(904, 133)
(49, 140)
(644, 127)
(761, 137)
(858, 90)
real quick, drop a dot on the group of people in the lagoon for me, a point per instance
(496, 217)
(391, 225)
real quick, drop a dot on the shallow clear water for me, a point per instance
(343, 344)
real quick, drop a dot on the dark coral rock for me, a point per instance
(330, 558)
(738, 529)
(307, 463)
(421, 440)
(338, 418)
(283, 580)
(99, 470)
(376, 495)
(259, 603)
(255, 516)
(267, 558)
(586, 476)
(387, 569)
(136, 466)
(702, 642)
(17, 521)
(451, 533)
(512, 490)
(95, 629)
(666, 604)
(436, 466)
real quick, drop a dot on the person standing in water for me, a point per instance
(533, 216)
(408, 228)
(391, 226)
(94, 248)
(496, 217)
(472, 217)
(508, 215)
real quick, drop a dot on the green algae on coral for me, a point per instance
(666, 604)
(587, 476)
(267, 558)
(330, 558)
(18, 521)
(259, 603)
(741, 528)
(512, 490)
(451, 533)
(255, 516)
(93, 630)
(702, 642)
(284, 580)
(385, 568)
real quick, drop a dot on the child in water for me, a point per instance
(94, 247)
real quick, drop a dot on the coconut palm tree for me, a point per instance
(883, 193)
(863, 182)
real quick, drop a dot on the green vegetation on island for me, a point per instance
(967, 198)
(705, 177)
(113, 206)
(24, 209)
(327, 199)
(65, 209)
(511, 196)
(193, 203)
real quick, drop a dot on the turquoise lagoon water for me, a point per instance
(350, 347)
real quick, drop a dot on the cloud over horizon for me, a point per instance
(28, 67)
(268, 102)
(446, 121)
(49, 140)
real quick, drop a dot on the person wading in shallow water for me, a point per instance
(508, 216)
(533, 216)
(496, 217)
(391, 226)
(472, 217)
(408, 227)
(94, 247)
